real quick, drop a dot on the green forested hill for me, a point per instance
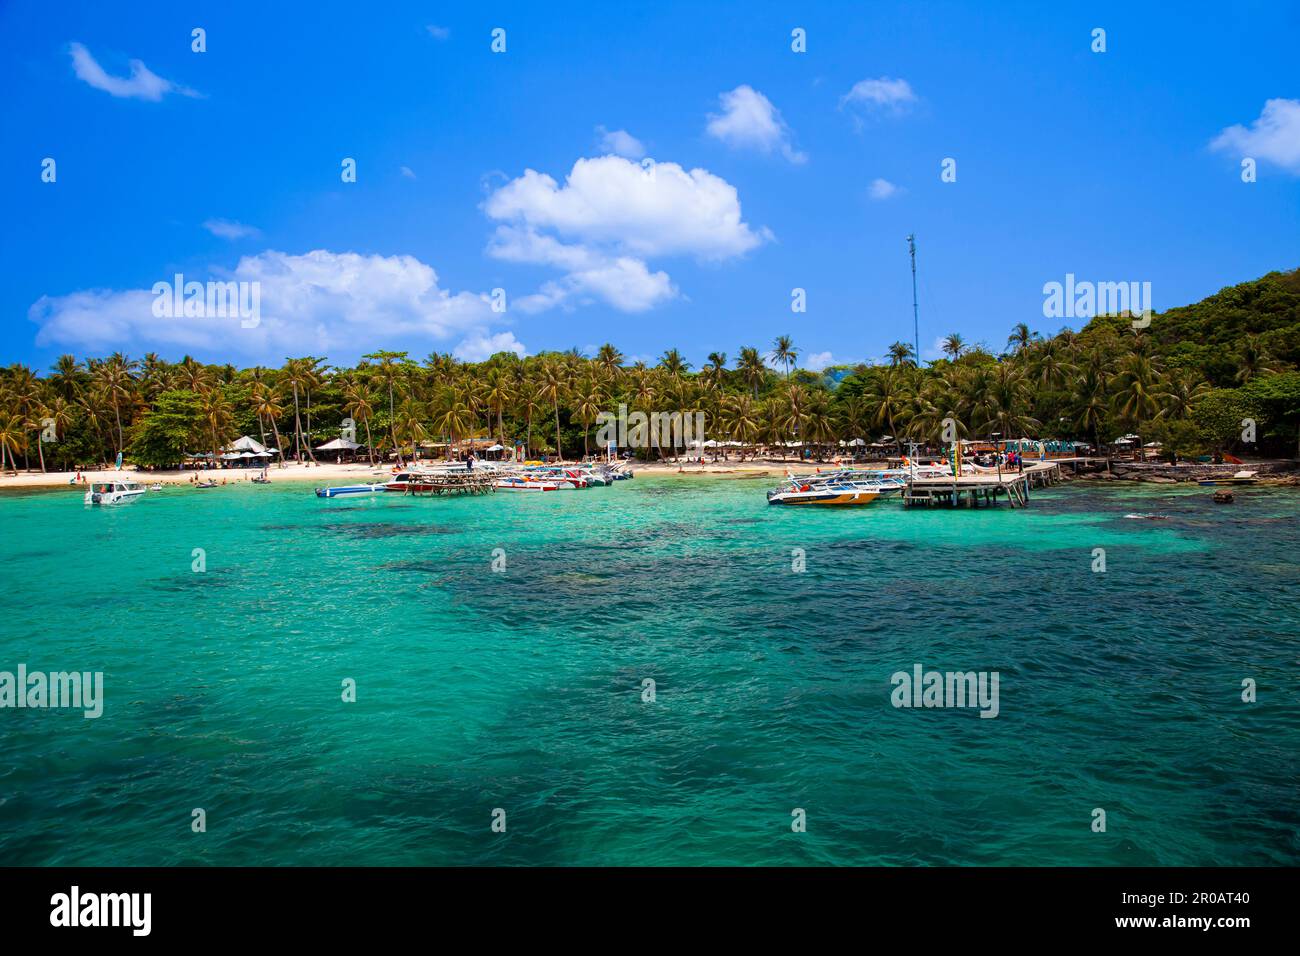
(1255, 321)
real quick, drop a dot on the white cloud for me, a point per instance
(660, 210)
(229, 229)
(818, 361)
(608, 218)
(321, 302)
(1273, 137)
(882, 189)
(438, 33)
(479, 347)
(408, 172)
(880, 96)
(749, 121)
(143, 83)
(620, 142)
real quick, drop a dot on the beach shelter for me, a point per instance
(246, 443)
(338, 444)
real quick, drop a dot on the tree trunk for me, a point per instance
(392, 427)
(370, 448)
(275, 430)
(559, 452)
(297, 426)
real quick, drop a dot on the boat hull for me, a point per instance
(348, 490)
(835, 499)
(112, 497)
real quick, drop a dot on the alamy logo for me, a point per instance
(1086, 300)
(653, 430)
(922, 688)
(199, 300)
(103, 909)
(36, 689)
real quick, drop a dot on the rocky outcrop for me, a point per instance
(1281, 471)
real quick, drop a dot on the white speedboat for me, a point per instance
(341, 490)
(113, 492)
(529, 483)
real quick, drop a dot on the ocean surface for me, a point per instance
(523, 690)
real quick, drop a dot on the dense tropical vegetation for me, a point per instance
(1188, 380)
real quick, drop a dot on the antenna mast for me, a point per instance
(916, 322)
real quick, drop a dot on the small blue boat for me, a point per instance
(347, 490)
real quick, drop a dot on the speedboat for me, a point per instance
(528, 483)
(562, 476)
(342, 490)
(113, 492)
(835, 488)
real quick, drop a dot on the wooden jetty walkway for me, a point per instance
(451, 483)
(981, 489)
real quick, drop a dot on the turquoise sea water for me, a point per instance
(522, 690)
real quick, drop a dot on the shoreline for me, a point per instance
(331, 473)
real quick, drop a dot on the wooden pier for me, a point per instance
(452, 483)
(980, 489)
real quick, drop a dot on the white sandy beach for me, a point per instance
(332, 473)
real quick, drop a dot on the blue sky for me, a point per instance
(772, 170)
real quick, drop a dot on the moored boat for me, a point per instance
(113, 492)
(343, 490)
(836, 488)
(1240, 478)
(528, 483)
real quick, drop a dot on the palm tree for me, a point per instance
(610, 360)
(389, 366)
(901, 353)
(587, 408)
(886, 396)
(266, 403)
(1020, 338)
(1180, 391)
(954, 345)
(1253, 360)
(299, 373)
(738, 417)
(13, 438)
(453, 421)
(217, 414)
(69, 378)
(114, 377)
(715, 371)
(1137, 397)
(552, 387)
(359, 408)
(752, 368)
(673, 363)
(784, 351)
(497, 394)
